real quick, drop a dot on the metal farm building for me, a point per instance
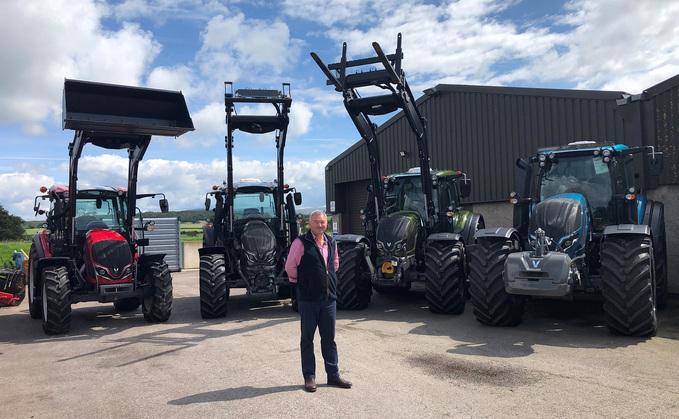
(482, 130)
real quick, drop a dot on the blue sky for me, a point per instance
(196, 45)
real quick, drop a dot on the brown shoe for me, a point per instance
(310, 385)
(339, 382)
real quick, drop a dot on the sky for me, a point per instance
(194, 46)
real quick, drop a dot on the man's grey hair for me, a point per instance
(317, 212)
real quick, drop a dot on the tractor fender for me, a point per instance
(52, 261)
(203, 251)
(640, 229)
(438, 237)
(146, 258)
(474, 221)
(353, 238)
(654, 217)
(503, 232)
(38, 245)
(208, 235)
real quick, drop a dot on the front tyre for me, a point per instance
(353, 291)
(627, 273)
(492, 305)
(214, 293)
(156, 304)
(445, 277)
(56, 300)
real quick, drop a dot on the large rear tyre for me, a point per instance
(34, 303)
(156, 304)
(492, 304)
(445, 277)
(214, 293)
(627, 273)
(56, 300)
(353, 288)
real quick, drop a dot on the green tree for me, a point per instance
(11, 227)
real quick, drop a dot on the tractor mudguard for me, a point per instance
(628, 229)
(146, 258)
(47, 262)
(504, 232)
(472, 222)
(203, 251)
(449, 237)
(208, 235)
(354, 238)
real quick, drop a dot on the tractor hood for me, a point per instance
(259, 243)
(108, 257)
(398, 232)
(565, 220)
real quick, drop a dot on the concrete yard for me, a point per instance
(404, 361)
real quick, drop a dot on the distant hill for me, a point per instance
(186, 216)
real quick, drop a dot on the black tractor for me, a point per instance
(90, 249)
(582, 225)
(247, 242)
(415, 228)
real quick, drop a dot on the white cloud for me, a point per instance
(18, 191)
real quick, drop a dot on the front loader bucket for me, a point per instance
(109, 108)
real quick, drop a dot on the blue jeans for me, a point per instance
(321, 314)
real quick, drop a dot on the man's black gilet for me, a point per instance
(314, 283)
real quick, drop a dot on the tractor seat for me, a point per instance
(88, 222)
(251, 212)
(558, 217)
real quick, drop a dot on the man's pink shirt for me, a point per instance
(296, 252)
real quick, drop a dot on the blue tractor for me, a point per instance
(581, 225)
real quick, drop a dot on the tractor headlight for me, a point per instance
(101, 272)
(380, 246)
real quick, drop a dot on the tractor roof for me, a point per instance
(582, 146)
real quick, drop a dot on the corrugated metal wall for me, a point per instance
(483, 130)
(663, 101)
(165, 238)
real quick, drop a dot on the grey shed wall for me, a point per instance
(165, 238)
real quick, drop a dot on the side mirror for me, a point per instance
(164, 206)
(465, 188)
(207, 204)
(298, 198)
(655, 163)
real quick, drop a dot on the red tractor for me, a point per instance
(90, 248)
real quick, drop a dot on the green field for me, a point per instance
(7, 248)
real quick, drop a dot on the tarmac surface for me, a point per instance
(404, 362)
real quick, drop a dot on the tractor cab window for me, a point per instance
(585, 174)
(100, 212)
(254, 206)
(405, 195)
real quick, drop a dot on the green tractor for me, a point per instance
(415, 229)
(581, 226)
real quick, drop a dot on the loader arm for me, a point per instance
(392, 79)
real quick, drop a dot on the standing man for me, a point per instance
(312, 264)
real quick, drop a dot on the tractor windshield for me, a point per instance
(255, 205)
(585, 174)
(405, 194)
(101, 212)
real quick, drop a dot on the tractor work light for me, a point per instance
(606, 152)
(542, 157)
(552, 156)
